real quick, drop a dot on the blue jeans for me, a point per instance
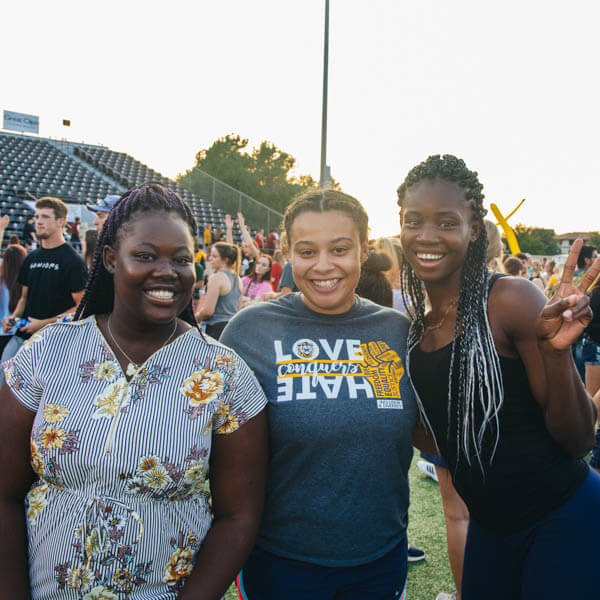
(10, 350)
(269, 577)
(557, 557)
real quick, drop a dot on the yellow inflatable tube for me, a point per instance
(508, 230)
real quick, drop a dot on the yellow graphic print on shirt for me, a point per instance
(368, 370)
(383, 368)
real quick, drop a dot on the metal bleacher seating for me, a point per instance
(31, 167)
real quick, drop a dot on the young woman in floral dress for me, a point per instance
(109, 426)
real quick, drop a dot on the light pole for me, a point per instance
(325, 173)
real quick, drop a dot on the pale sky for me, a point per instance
(511, 87)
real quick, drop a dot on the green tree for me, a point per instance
(595, 240)
(264, 173)
(535, 240)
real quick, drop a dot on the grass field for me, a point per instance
(426, 530)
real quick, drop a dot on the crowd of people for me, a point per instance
(180, 411)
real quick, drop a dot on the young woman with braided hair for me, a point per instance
(507, 410)
(109, 424)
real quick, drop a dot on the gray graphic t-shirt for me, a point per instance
(341, 412)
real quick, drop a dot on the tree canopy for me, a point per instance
(263, 173)
(535, 240)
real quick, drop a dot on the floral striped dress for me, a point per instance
(121, 504)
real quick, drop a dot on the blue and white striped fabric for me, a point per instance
(121, 506)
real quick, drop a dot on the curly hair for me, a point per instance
(474, 380)
(98, 297)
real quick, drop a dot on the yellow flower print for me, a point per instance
(148, 463)
(193, 539)
(100, 593)
(32, 340)
(230, 424)
(105, 371)
(202, 387)
(53, 438)
(37, 501)
(194, 472)
(123, 580)
(92, 543)
(226, 361)
(37, 460)
(157, 478)
(79, 578)
(114, 397)
(179, 566)
(55, 412)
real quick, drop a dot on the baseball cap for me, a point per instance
(106, 204)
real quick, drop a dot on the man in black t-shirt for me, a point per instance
(53, 277)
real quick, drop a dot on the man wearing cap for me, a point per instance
(102, 208)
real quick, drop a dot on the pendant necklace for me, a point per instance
(437, 325)
(132, 367)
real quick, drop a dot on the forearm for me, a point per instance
(569, 412)
(13, 554)
(220, 558)
(19, 309)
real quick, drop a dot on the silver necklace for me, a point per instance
(132, 367)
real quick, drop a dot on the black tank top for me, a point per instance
(530, 474)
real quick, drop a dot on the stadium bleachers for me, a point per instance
(31, 167)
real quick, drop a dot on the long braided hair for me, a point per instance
(98, 297)
(475, 379)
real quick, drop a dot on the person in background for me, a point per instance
(341, 417)
(207, 236)
(392, 248)
(276, 269)
(259, 238)
(89, 247)
(28, 234)
(53, 277)
(75, 234)
(373, 283)
(591, 360)
(536, 275)
(514, 266)
(10, 288)
(258, 282)
(200, 256)
(13, 240)
(110, 424)
(525, 259)
(223, 289)
(250, 249)
(102, 208)
(495, 251)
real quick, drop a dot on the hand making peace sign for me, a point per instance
(568, 313)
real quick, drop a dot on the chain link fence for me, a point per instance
(229, 200)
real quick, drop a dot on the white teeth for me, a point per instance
(423, 256)
(327, 283)
(162, 294)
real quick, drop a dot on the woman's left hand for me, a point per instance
(568, 313)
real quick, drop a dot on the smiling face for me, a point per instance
(326, 255)
(437, 227)
(152, 268)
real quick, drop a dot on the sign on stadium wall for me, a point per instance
(20, 122)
